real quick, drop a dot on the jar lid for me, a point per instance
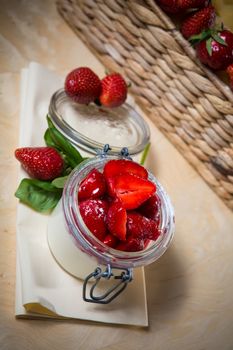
(90, 127)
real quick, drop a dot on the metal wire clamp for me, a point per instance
(124, 278)
(124, 152)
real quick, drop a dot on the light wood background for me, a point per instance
(190, 289)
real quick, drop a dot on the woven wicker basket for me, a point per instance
(188, 103)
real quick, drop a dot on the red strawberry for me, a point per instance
(116, 220)
(151, 208)
(131, 190)
(169, 6)
(110, 240)
(188, 4)
(230, 74)
(216, 51)
(200, 20)
(93, 186)
(122, 166)
(110, 187)
(93, 212)
(141, 227)
(146, 242)
(113, 90)
(178, 6)
(132, 244)
(82, 85)
(42, 163)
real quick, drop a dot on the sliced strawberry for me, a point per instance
(123, 166)
(110, 186)
(116, 220)
(93, 186)
(151, 208)
(146, 242)
(94, 212)
(141, 227)
(132, 244)
(110, 240)
(131, 190)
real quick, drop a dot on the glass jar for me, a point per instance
(90, 127)
(77, 243)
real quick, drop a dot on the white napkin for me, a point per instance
(43, 288)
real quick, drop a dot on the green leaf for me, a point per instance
(48, 139)
(209, 46)
(59, 182)
(72, 157)
(39, 195)
(72, 154)
(217, 38)
(44, 185)
(49, 142)
(49, 121)
(67, 169)
(145, 154)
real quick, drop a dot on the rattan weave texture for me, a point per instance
(185, 100)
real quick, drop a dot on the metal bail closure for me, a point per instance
(123, 279)
(103, 152)
(125, 153)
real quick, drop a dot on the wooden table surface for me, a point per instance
(190, 289)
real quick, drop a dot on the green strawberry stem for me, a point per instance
(217, 38)
(195, 39)
(209, 46)
(209, 35)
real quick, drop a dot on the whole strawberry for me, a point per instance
(82, 85)
(230, 74)
(113, 90)
(217, 50)
(42, 163)
(169, 6)
(179, 6)
(191, 4)
(200, 20)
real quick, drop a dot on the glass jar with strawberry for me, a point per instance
(114, 215)
(91, 113)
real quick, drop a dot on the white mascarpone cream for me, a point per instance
(62, 246)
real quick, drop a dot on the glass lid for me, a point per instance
(90, 127)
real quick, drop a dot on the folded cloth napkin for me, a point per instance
(43, 288)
